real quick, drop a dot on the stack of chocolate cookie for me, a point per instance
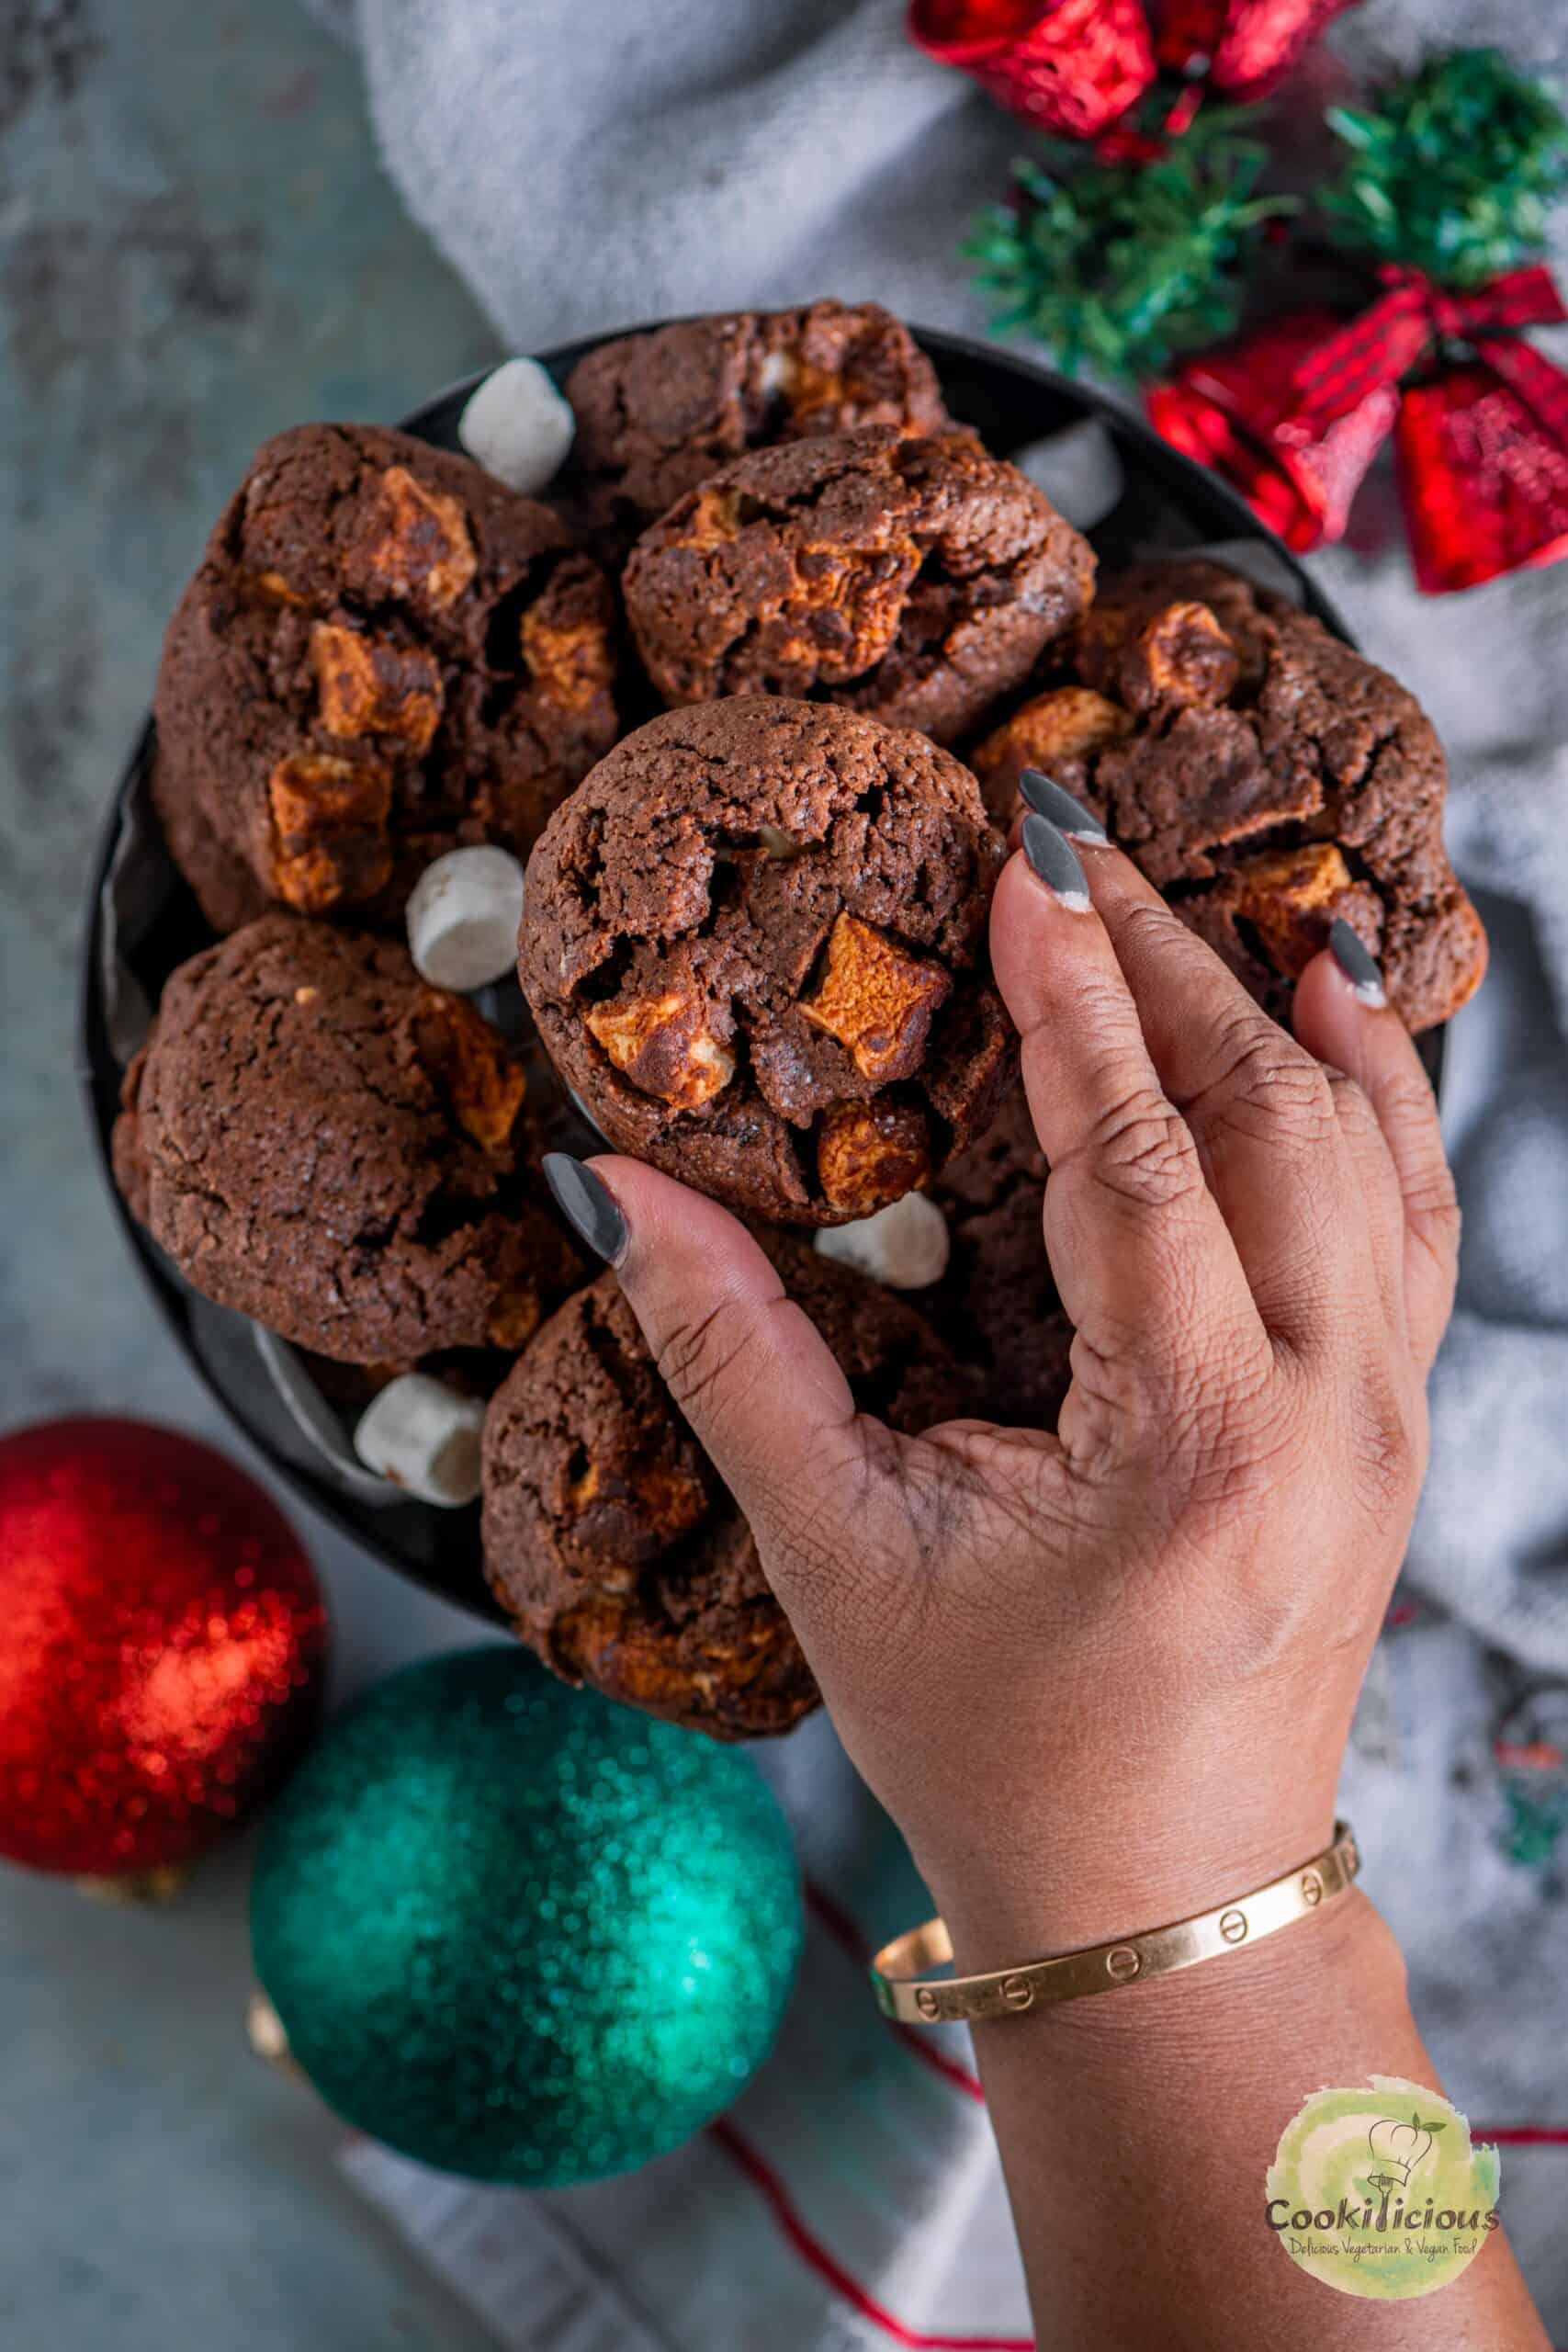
(754, 941)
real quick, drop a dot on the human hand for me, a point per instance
(1104, 1678)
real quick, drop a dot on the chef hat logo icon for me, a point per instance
(1398, 2147)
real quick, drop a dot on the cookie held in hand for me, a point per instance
(917, 579)
(385, 654)
(610, 1539)
(755, 946)
(319, 1140)
(1266, 778)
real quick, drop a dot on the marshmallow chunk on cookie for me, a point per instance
(904, 1246)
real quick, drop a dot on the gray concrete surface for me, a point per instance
(197, 247)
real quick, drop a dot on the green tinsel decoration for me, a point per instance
(1121, 268)
(1453, 172)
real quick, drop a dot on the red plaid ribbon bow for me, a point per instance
(1294, 414)
(1416, 318)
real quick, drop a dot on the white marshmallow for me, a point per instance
(1078, 469)
(463, 917)
(517, 426)
(425, 1438)
(904, 1245)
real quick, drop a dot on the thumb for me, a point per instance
(749, 1368)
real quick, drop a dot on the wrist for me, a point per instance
(1329, 1988)
(1119, 1819)
(1106, 1869)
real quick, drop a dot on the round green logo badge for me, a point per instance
(1379, 2192)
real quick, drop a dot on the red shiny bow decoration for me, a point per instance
(1074, 67)
(1294, 415)
(1417, 318)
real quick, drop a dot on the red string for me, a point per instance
(827, 2266)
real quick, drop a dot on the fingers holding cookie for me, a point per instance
(1342, 1015)
(1147, 1271)
(1260, 1111)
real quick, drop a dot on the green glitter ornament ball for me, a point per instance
(521, 1933)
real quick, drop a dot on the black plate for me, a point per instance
(1169, 502)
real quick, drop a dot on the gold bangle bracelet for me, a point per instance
(903, 1992)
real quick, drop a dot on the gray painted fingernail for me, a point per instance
(1057, 864)
(1052, 801)
(585, 1202)
(1357, 963)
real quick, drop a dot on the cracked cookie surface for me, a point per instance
(319, 1140)
(1266, 778)
(755, 944)
(914, 579)
(610, 1539)
(383, 655)
(657, 413)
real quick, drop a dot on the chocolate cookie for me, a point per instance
(997, 1305)
(385, 654)
(1264, 776)
(755, 945)
(321, 1141)
(609, 1537)
(916, 580)
(225, 889)
(657, 413)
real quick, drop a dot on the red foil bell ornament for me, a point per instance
(1484, 482)
(1293, 415)
(163, 1653)
(1237, 410)
(1074, 68)
(1484, 453)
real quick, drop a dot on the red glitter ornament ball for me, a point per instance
(162, 1648)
